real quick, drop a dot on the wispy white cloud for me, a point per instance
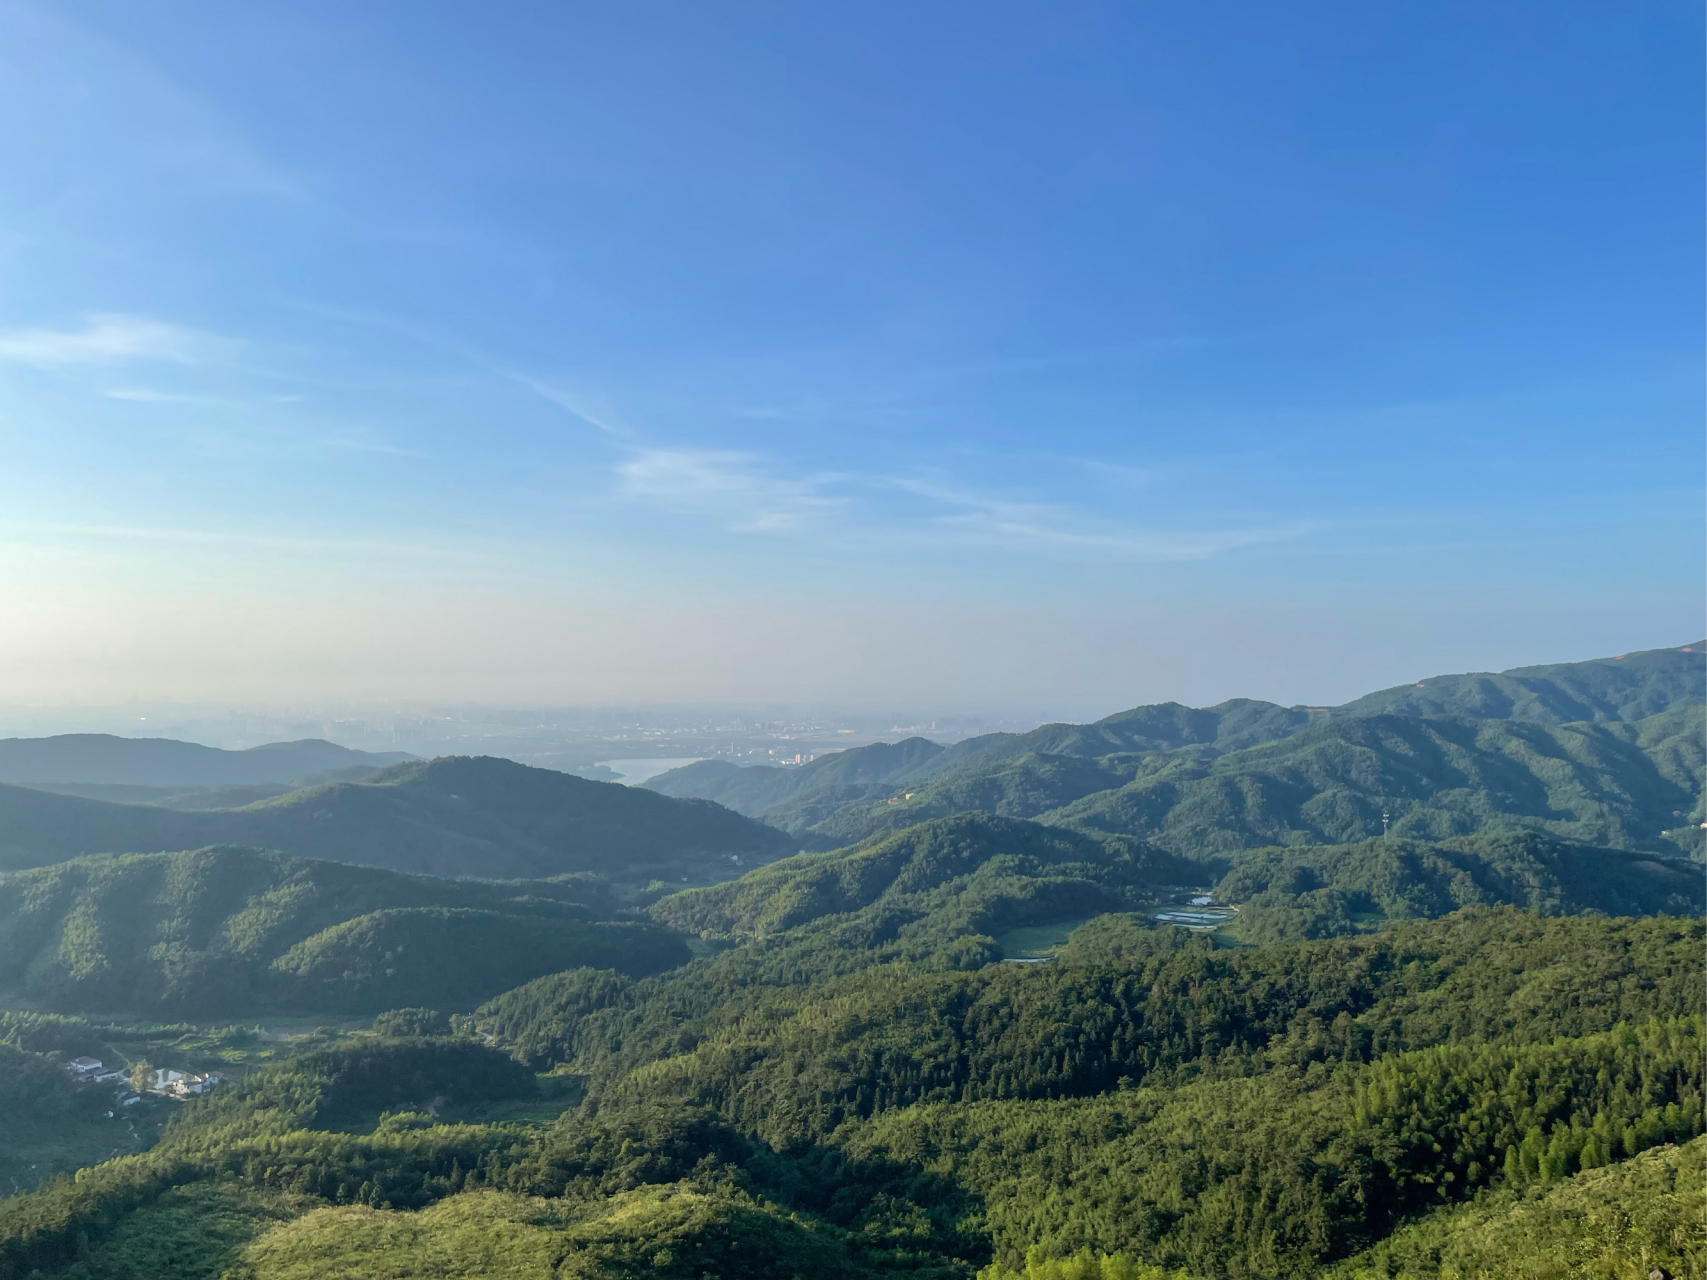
(746, 493)
(579, 405)
(147, 395)
(973, 515)
(738, 489)
(112, 339)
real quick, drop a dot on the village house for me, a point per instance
(179, 1084)
(83, 1070)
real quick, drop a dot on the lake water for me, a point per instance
(634, 772)
(1192, 917)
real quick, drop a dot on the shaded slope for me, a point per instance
(220, 931)
(456, 816)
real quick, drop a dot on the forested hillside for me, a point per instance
(232, 932)
(1631, 686)
(1062, 873)
(1153, 1104)
(1620, 785)
(1608, 752)
(1325, 891)
(451, 817)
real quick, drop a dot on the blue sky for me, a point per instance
(975, 356)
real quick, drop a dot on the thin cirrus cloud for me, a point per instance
(577, 405)
(112, 339)
(986, 519)
(737, 489)
(743, 493)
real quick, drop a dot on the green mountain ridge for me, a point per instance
(1606, 751)
(1623, 785)
(456, 816)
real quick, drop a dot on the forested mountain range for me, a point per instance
(102, 758)
(1471, 1046)
(230, 932)
(1608, 752)
(455, 816)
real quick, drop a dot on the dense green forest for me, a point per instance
(965, 1042)
(222, 932)
(1324, 891)
(449, 817)
(1253, 1112)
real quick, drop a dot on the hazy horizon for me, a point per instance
(226, 723)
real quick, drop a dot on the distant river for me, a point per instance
(634, 772)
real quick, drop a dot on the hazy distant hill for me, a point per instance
(457, 816)
(163, 762)
(797, 799)
(1607, 751)
(232, 796)
(222, 931)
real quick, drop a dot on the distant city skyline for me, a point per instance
(987, 358)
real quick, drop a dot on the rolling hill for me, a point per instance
(456, 816)
(225, 931)
(1328, 891)
(1039, 872)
